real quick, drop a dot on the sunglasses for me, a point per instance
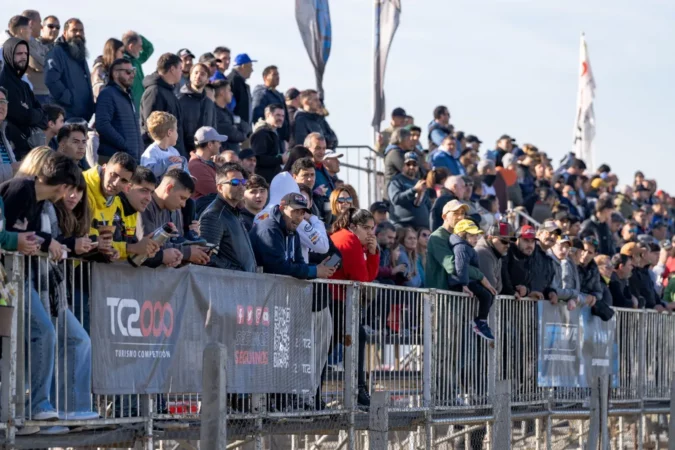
(235, 182)
(53, 26)
(345, 199)
(424, 235)
(127, 71)
(505, 241)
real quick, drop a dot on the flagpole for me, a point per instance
(376, 54)
(576, 134)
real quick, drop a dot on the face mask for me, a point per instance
(489, 180)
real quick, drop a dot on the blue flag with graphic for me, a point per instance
(313, 17)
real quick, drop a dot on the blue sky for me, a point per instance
(506, 66)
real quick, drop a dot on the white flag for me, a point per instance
(387, 16)
(584, 125)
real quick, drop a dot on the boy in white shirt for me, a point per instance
(161, 156)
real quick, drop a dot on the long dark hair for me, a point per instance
(76, 222)
(296, 153)
(109, 49)
(350, 217)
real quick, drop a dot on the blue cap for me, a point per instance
(242, 59)
(410, 156)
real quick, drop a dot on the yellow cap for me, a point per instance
(467, 226)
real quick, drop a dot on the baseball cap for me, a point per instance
(410, 156)
(292, 94)
(379, 207)
(551, 226)
(467, 226)
(332, 154)
(399, 112)
(208, 134)
(597, 183)
(246, 153)
(294, 201)
(564, 239)
(527, 232)
(242, 59)
(518, 152)
(471, 139)
(454, 205)
(502, 230)
(630, 249)
(506, 136)
(207, 57)
(185, 52)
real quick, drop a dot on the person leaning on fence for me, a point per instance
(619, 288)
(353, 235)
(221, 224)
(491, 250)
(589, 274)
(566, 279)
(24, 199)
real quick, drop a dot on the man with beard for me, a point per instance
(67, 75)
(24, 112)
(491, 250)
(222, 226)
(187, 58)
(520, 274)
(197, 109)
(243, 68)
(116, 116)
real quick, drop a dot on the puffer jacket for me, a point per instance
(466, 263)
(220, 225)
(117, 123)
(198, 111)
(69, 82)
(268, 149)
(591, 281)
(490, 263)
(601, 232)
(159, 96)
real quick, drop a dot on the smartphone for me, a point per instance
(333, 261)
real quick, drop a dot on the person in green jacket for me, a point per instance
(440, 259)
(138, 50)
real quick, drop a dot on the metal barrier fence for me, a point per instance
(363, 168)
(412, 349)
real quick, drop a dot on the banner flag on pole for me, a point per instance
(387, 16)
(584, 125)
(313, 17)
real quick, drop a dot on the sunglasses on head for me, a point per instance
(591, 240)
(53, 26)
(235, 182)
(344, 199)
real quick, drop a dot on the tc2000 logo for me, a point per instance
(154, 318)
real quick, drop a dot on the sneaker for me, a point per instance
(363, 398)
(27, 430)
(54, 430)
(482, 329)
(79, 415)
(46, 415)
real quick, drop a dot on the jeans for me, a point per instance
(74, 352)
(485, 298)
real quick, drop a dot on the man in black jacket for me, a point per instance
(242, 70)
(198, 110)
(159, 96)
(268, 147)
(116, 116)
(267, 94)
(309, 119)
(598, 226)
(221, 226)
(589, 274)
(236, 129)
(618, 284)
(24, 112)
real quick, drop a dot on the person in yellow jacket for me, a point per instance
(104, 183)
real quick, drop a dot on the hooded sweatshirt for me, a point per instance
(312, 234)
(309, 122)
(198, 111)
(268, 148)
(23, 110)
(159, 96)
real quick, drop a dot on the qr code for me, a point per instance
(282, 340)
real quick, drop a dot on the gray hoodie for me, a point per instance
(566, 281)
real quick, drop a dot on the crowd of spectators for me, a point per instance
(93, 163)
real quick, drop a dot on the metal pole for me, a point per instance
(671, 423)
(501, 430)
(378, 421)
(351, 350)
(604, 412)
(214, 398)
(594, 426)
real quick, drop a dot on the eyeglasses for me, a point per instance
(235, 182)
(128, 71)
(344, 199)
(53, 26)
(4, 102)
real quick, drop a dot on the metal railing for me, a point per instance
(363, 168)
(441, 381)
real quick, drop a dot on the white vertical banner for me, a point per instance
(584, 124)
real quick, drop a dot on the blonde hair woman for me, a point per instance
(33, 162)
